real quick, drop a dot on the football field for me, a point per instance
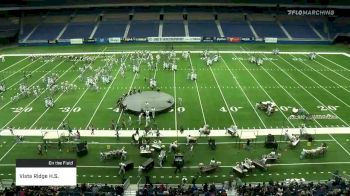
(224, 94)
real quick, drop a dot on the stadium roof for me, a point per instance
(58, 4)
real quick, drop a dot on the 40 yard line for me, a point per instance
(104, 96)
(199, 96)
(243, 91)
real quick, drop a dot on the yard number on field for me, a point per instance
(328, 107)
(232, 109)
(21, 109)
(69, 109)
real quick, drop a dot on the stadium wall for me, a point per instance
(117, 40)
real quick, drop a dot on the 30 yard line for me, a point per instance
(307, 90)
(334, 62)
(339, 144)
(243, 91)
(317, 84)
(323, 76)
(199, 96)
(104, 96)
(264, 89)
(332, 70)
(81, 96)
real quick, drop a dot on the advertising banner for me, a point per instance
(233, 39)
(114, 40)
(76, 41)
(174, 39)
(270, 39)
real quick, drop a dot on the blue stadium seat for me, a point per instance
(268, 29)
(203, 28)
(141, 28)
(78, 30)
(111, 29)
(236, 28)
(46, 31)
(26, 30)
(173, 28)
(299, 29)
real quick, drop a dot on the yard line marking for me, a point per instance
(55, 99)
(239, 85)
(14, 64)
(81, 96)
(334, 62)
(318, 84)
(121, 112)
(196, 166)
(325, 76)
(8, 151)
(19, 70)
(176, 51)
(264, 90)
(104, 96)
(175, 111)
(199, 96)
(339, 144)
(34, 83)
(200, 143)
(26, 106)
(309, 92)
(222, 95)
(334, 71)
(31, 72)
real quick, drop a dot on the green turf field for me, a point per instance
(224, 94)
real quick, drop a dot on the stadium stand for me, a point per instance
(233, 24)
(340, 25)
(261, 21)
(78, 30)
(297, 27)
(202, 24)
(144, 25)
(331, 187)
(173, 25)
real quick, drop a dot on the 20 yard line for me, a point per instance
(199, 96)
(8, 151)
(14, 64)
(339, 144)
(26, 106)
(243, 92)
(34, 82)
